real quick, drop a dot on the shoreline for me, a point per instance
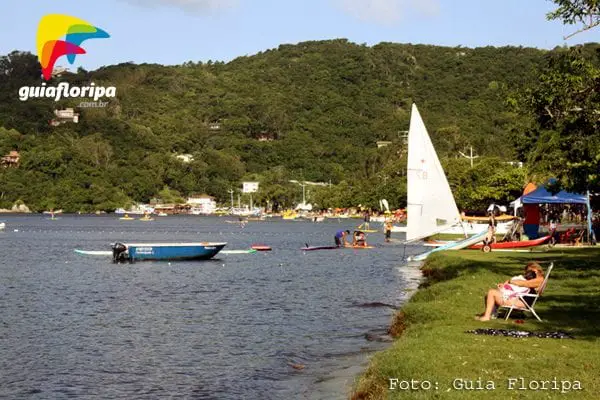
(341, 382)
(434, 355)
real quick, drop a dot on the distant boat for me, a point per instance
(162, 214)
(136, 210)
(289, 215)
(126, 217)
(2, 226)
(146, 218)
(165, 251)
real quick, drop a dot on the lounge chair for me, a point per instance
(577, 240)
(530, 308)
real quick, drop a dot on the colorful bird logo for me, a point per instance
(59, 35)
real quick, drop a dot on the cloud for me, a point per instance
(386, 11)
(187, 5)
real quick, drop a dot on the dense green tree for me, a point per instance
(560, 111)
(307, 112)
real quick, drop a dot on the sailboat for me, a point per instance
(431, 208)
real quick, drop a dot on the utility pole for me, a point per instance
(303, 194)
(231, 193)
(471, 157)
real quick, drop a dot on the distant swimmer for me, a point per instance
(340, 238)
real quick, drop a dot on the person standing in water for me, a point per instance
(367, 219)
(388, 230)
(340, 238)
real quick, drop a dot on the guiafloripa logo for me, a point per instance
(61, 35)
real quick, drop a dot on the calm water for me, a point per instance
(230, 328)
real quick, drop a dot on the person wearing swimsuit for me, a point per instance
(507, 295)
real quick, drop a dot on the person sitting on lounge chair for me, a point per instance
(507, 293)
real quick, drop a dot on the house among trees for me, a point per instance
(11, 159)
(64, 116)
(383, 143)
(214, 126)
(265, 137)
(59, 71)
(185, 158)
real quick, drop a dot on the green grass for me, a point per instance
(434, 346)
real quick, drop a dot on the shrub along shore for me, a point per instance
(433, 356)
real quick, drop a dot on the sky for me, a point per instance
(175, 31)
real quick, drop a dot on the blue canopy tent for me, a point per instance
(542, 196)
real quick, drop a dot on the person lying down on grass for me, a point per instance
(507, 293)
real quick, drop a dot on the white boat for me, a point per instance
(431, 208)
(468, 228)
(246, 212)
(472, 228)
(140, 209)
(2, 226)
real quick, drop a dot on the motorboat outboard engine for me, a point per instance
(119, 252)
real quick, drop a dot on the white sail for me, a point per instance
(431, 206)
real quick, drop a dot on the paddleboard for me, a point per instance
(94, 252)
(360, 247)
(249, 251)
(261, 247)
(311, 248)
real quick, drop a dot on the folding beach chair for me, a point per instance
(535, 297)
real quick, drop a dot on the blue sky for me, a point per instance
(175, 31)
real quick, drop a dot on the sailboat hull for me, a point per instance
(452, 246)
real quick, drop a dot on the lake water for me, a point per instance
(229, 328)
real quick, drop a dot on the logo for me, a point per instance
(62, 35)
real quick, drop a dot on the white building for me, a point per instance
(202, 204)
(64, 116)
(185, 158)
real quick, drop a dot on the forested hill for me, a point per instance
(312, 111)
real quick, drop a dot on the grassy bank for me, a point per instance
(433, 345)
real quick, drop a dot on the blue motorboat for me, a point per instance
(165, 251)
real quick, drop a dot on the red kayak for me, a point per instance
(261, 247)
(512, 245)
